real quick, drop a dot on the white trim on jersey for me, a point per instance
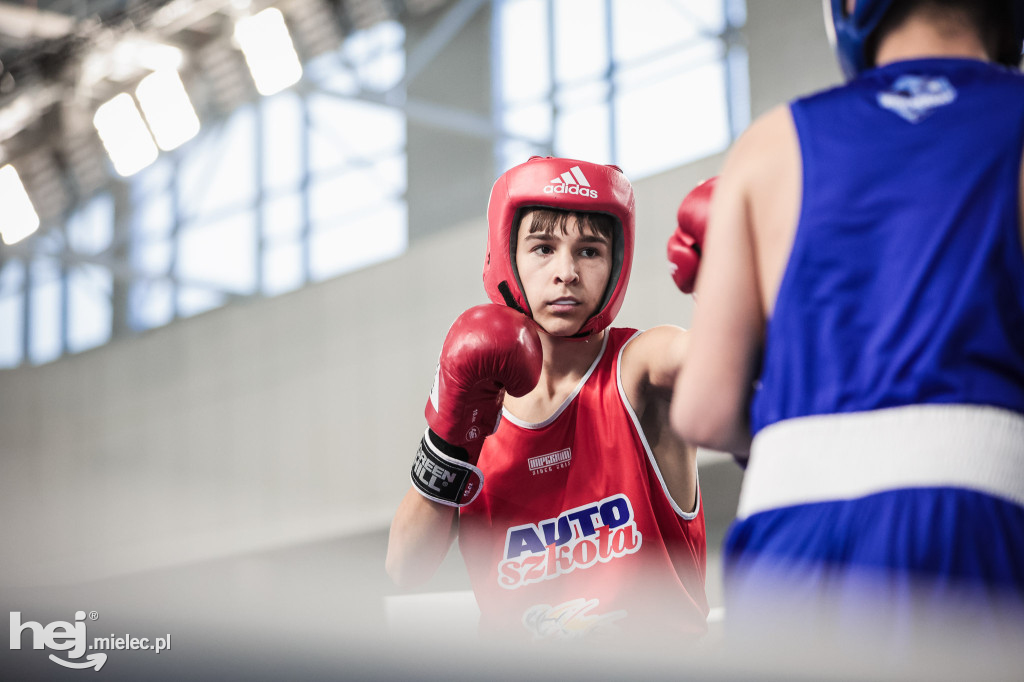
(688, 516)
(846, 456)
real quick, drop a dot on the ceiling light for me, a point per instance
(168, 109)
(268, 51)
(125, 135)
(19, 217)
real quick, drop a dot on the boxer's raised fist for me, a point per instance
(686, 242)
(490, 349)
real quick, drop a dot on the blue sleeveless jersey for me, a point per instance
(885, 487)
(890, 298)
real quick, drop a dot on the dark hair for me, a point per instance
(991, 19)
(548, 219)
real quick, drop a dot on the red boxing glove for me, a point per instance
(685, 244)
(490, 349)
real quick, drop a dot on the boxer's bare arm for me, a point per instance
(753, 215)
(650, 364)
(421, 535)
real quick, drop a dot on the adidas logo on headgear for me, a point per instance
(573, 181)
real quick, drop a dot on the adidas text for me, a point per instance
(570, 189)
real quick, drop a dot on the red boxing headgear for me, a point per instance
(565, 185)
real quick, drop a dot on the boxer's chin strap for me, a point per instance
(510, 301)
(443, 477)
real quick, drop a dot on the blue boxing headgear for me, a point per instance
(849, 33)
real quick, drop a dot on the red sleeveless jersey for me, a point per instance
(574, 532)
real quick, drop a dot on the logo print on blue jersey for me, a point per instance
(915, 97)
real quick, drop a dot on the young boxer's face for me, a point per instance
(563, 275)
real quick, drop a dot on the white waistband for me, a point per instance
(845, 456)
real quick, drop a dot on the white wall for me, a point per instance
(293, 418)
(789, 53)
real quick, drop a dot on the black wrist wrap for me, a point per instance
(441, 477)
